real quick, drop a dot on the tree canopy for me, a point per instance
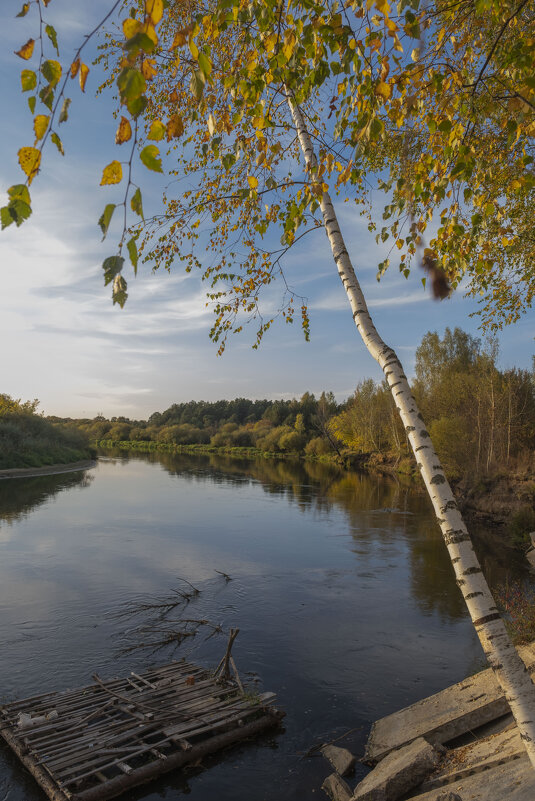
(422, 111)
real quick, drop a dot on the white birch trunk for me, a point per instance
(500, 652)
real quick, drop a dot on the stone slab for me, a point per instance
(476, 757)
(341, 759)
(399, 772)
(445, 715)
(514, 781)
(336, 788)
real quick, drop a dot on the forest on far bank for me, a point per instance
(480, 418)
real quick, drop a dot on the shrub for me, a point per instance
(522, 523)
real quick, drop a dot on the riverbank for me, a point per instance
(49, 470)
(505, 504)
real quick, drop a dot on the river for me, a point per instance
(340, 585)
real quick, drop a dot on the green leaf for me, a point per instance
(157, 131)
(132, 252)
(136, 203)
(112, 266)
(57, 141)
(149, 157)
(28, 80)
(31, 103)
(19, 192)
(22, 13)
(51, 71)
(65, 110)
(19, 210)
(197, 83)
(47, 96)
(131, 84)
(52, 35)
(137, 105)
(5, 217)
(105, 219)
(205, 64)
(140, 41)
(119, 293)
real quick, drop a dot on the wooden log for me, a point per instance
(445, 715)
(120, 784)
(40, 775)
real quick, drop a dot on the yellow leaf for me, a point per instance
(194, 50)
(252, 181)
(29, 160)
(131, 27)
(84, 71)
(147, 69)
(181, 37)
(26, 51)
(516, 184)
(150, 30)
(75, 66)
(112, 174)
(157, 131)
(383, 89)
(154, 10)
(40, 124)
(175, 127)
(124, 132)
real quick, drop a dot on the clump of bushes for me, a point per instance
(522, 523)
(29, 440)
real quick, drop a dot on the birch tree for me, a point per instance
(266, 108)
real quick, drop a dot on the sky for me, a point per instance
(65, 343)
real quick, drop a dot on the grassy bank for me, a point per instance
(29, 440)
(224, 450)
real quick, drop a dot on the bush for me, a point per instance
(318, 446)
(522, 523)
(518, 603)
(29, 440)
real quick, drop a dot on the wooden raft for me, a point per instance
(98, 741)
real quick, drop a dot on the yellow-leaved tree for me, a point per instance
(266, 109)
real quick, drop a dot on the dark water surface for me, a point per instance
(341, 588)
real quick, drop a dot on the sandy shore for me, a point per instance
(49, 470)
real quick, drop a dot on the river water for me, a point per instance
(340, 585)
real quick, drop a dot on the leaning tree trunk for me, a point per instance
(500, 652)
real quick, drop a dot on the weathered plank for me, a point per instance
(514, 781)
(445, 715)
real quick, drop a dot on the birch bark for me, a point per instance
(500, 652)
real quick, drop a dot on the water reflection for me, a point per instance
(377, 509)
(341, 588)
(20, 496)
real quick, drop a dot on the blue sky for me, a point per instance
(64, 342)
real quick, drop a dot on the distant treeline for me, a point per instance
(480, 418)
(29, 440)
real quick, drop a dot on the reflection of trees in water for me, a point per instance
(379, 510)
(20, 496)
